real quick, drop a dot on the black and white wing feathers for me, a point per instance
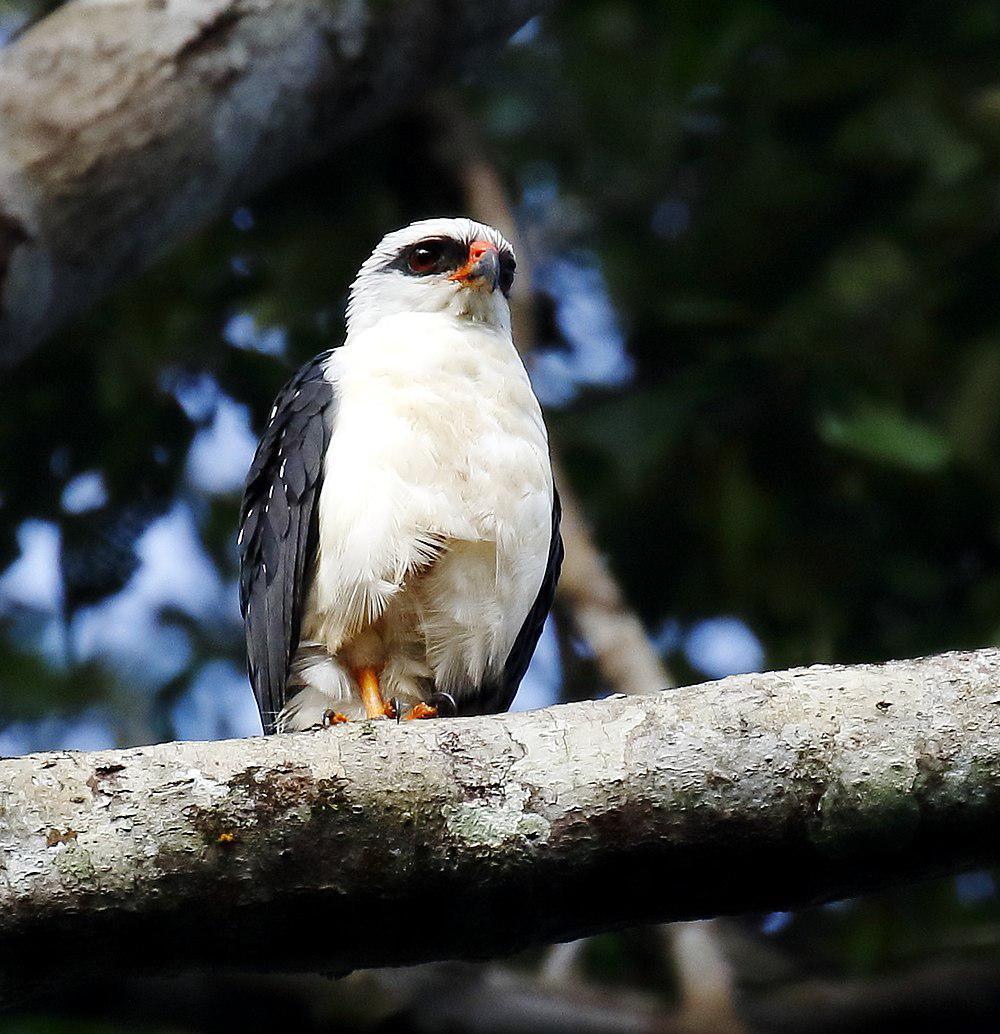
(498, 697)
(278, 530)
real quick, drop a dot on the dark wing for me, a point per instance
(278, 530)
(499, 696)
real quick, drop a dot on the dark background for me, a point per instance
(766, 244)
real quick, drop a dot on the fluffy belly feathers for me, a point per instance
(436, 507)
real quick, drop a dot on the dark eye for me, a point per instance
(425, 256)
(507, 269)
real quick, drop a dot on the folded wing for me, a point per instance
(278, 530)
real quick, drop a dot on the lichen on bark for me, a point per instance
(473, 837)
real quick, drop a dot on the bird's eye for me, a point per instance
(424, 257)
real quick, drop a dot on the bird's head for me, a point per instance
(454, 266)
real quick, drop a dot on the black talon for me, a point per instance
(397, 708)
(445, 704)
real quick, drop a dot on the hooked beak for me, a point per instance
(482, 269)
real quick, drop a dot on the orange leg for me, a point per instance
(371, 695)
(334, 718)
(422, 710)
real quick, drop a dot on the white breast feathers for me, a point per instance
(436, 507)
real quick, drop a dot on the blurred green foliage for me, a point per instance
(797, 212)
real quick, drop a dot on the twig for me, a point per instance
(705, 979)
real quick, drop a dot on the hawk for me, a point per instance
(399, 533)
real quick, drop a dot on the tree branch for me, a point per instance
(376, 844)
(127, 124)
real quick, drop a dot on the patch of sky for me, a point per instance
(39, 631)
(230, 602)
(543, 679)
(88, 731)
(723, 646)
(669, 636)
(717, 646)
(175, 572)
(84, 493)
(243, 219)
(975, 888)
(774, 922)
(528, 33)
(591, 348)
(242, 331)
(31, 592)
(33, 581)
(217, 705)
(196, 393)
(221, 452)
(592, 351)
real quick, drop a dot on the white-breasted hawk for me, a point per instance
(399, 533)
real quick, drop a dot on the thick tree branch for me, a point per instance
(126, 124)
(379, 844)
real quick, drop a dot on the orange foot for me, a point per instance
(371, 695)
(334, 718)
(422, 710)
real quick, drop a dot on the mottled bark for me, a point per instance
(126, 124)
(380, 843)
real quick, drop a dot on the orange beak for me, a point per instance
(483, 267)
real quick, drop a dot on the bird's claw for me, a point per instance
(445, 705)
(333, 718)
(439, 705)
(421, 710)
(388, 712)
